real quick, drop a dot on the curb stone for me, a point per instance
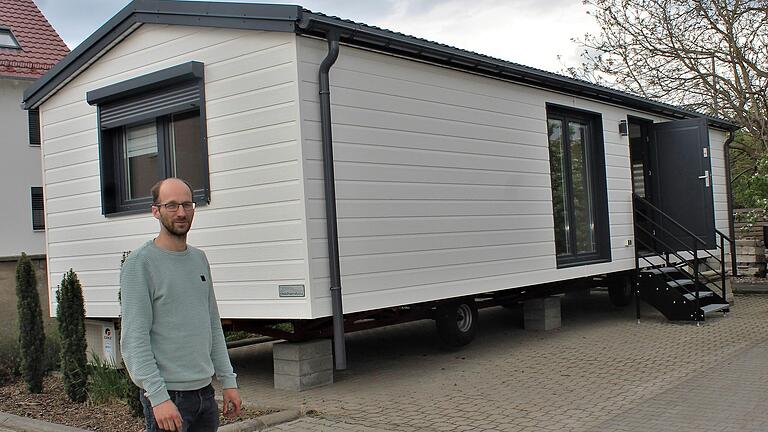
(263, 422)
(26, 424)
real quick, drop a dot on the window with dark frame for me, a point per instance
(7, 39)
(579, 194)
(38, 210)
(152, 127)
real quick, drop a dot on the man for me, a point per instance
(171, 337)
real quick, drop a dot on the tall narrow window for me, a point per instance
(579, 198)
(38, 212)
(34, 127)
(140, 159)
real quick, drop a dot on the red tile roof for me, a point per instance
(41, 46)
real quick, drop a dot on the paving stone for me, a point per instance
(600, 372)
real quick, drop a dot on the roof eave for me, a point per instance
(228, 15)
(369, 37)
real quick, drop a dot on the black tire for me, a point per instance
(620, 291)
(456, 322)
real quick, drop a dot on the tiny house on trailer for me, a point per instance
(403, 176)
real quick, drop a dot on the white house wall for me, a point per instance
(443, 181)
(253, 230)
(719, 184)
(20, 168)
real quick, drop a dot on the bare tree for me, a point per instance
(707, 55)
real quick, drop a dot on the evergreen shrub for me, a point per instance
(71, 314)
(31, 332)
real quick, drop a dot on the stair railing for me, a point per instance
(668, 262)
(689, 245)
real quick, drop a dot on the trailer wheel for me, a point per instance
(457, 322)
(620, 291)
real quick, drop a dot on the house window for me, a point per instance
(38, 211)
(7, 40)
(34, 127)
(579, 197)
(151, 128)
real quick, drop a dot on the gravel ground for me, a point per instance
(53, 406)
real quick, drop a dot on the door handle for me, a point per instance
(705, 177)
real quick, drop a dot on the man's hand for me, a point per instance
(231, 396)
(167, 416)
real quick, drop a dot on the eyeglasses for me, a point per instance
(174, 206)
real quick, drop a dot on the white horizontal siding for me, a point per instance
(253, 230)
(719, 185)
(442, 181)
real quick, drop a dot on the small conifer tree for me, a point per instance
(31, 332)
(71, 314)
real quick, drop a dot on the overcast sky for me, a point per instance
(529, 32)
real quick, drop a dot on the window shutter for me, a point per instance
(160, 102)
(38, 212)
(34, 127)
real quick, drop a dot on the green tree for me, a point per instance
(71, 314)
(31, 333)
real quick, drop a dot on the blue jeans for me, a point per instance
(198, 408)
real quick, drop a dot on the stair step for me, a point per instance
(710, 275)
(679, 282)
(662, 270)
(702, 294)
(714, 307)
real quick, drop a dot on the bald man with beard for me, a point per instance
(171, 336)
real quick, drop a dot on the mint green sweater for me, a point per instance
(171, 337)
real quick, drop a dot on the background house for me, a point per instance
(29, 47)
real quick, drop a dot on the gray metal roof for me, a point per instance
(290, 18)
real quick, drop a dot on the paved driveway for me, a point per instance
(600, 372)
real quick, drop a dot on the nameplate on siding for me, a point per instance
(291, 290)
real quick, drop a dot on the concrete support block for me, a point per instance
(301, 366)
(542, 313)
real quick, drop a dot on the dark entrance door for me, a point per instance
(683, 179)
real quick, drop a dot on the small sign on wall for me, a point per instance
(291, 290)
(108, 343)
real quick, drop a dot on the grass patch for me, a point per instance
(107, 383)
(284, 326)
(232, 336)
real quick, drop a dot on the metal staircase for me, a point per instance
(676, 271)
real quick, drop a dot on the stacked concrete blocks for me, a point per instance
(300, 366)
(542, 313)
(750, 257)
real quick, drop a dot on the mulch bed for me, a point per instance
(53, 406)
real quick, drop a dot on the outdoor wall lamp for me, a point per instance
(623, 129)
